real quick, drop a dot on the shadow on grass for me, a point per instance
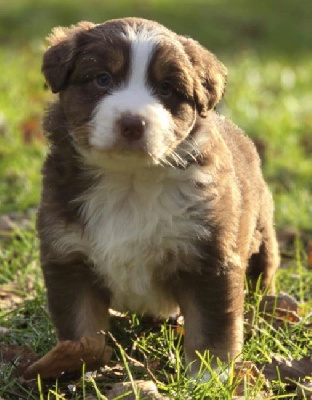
(279, 27)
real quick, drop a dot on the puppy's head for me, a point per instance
(130, 87)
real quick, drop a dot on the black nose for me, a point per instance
(132, 127)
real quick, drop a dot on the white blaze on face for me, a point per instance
(136, 98)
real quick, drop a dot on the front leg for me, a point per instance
(212, 306)
(78, 306)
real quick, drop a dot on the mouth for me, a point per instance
(121, 159)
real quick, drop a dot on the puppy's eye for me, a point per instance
(165, 89)
(103, 80)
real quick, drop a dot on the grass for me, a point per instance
(266, 47)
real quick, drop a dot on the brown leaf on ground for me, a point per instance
(287, 369)
(10, 296)
(19, 356)
(282, 301)
(147, 389)
(68, 356)
(280, 309)
(282, 317)
(247, 372)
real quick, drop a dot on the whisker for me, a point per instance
(166, 162)
(178, 159)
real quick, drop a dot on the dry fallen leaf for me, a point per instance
(19, 356)
(68, 356)
(283, 301)
(288, 369)
(280, 309)
(147, 389)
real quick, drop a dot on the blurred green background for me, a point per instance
(265, 44)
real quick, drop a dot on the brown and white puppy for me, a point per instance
(151, 202)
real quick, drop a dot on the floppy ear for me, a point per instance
(59, 59)
(57, 65)
(209, 75)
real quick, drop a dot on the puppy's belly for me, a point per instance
(134, 286)
(156, 301)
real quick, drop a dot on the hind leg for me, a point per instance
(264, 263)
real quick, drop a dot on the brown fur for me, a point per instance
(207, 282)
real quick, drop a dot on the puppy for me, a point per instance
(151, 201)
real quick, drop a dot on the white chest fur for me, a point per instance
(133, 221)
